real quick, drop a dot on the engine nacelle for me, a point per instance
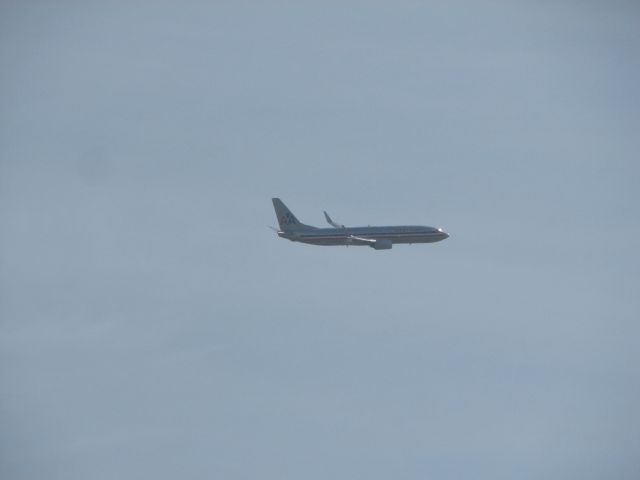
(383, 244)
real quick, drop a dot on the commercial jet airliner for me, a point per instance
(379, 238)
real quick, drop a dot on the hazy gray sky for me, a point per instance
(151, 326)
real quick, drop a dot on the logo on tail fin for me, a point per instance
(288, 219)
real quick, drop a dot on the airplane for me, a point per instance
(378, 238)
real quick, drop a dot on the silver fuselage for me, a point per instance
(345, 236)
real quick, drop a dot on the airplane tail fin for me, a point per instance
(286, 219)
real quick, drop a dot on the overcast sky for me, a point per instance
(152, 326)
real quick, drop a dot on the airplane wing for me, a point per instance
(380, 244)
(362, 240)
(331, 222)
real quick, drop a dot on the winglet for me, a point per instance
(331, 222)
